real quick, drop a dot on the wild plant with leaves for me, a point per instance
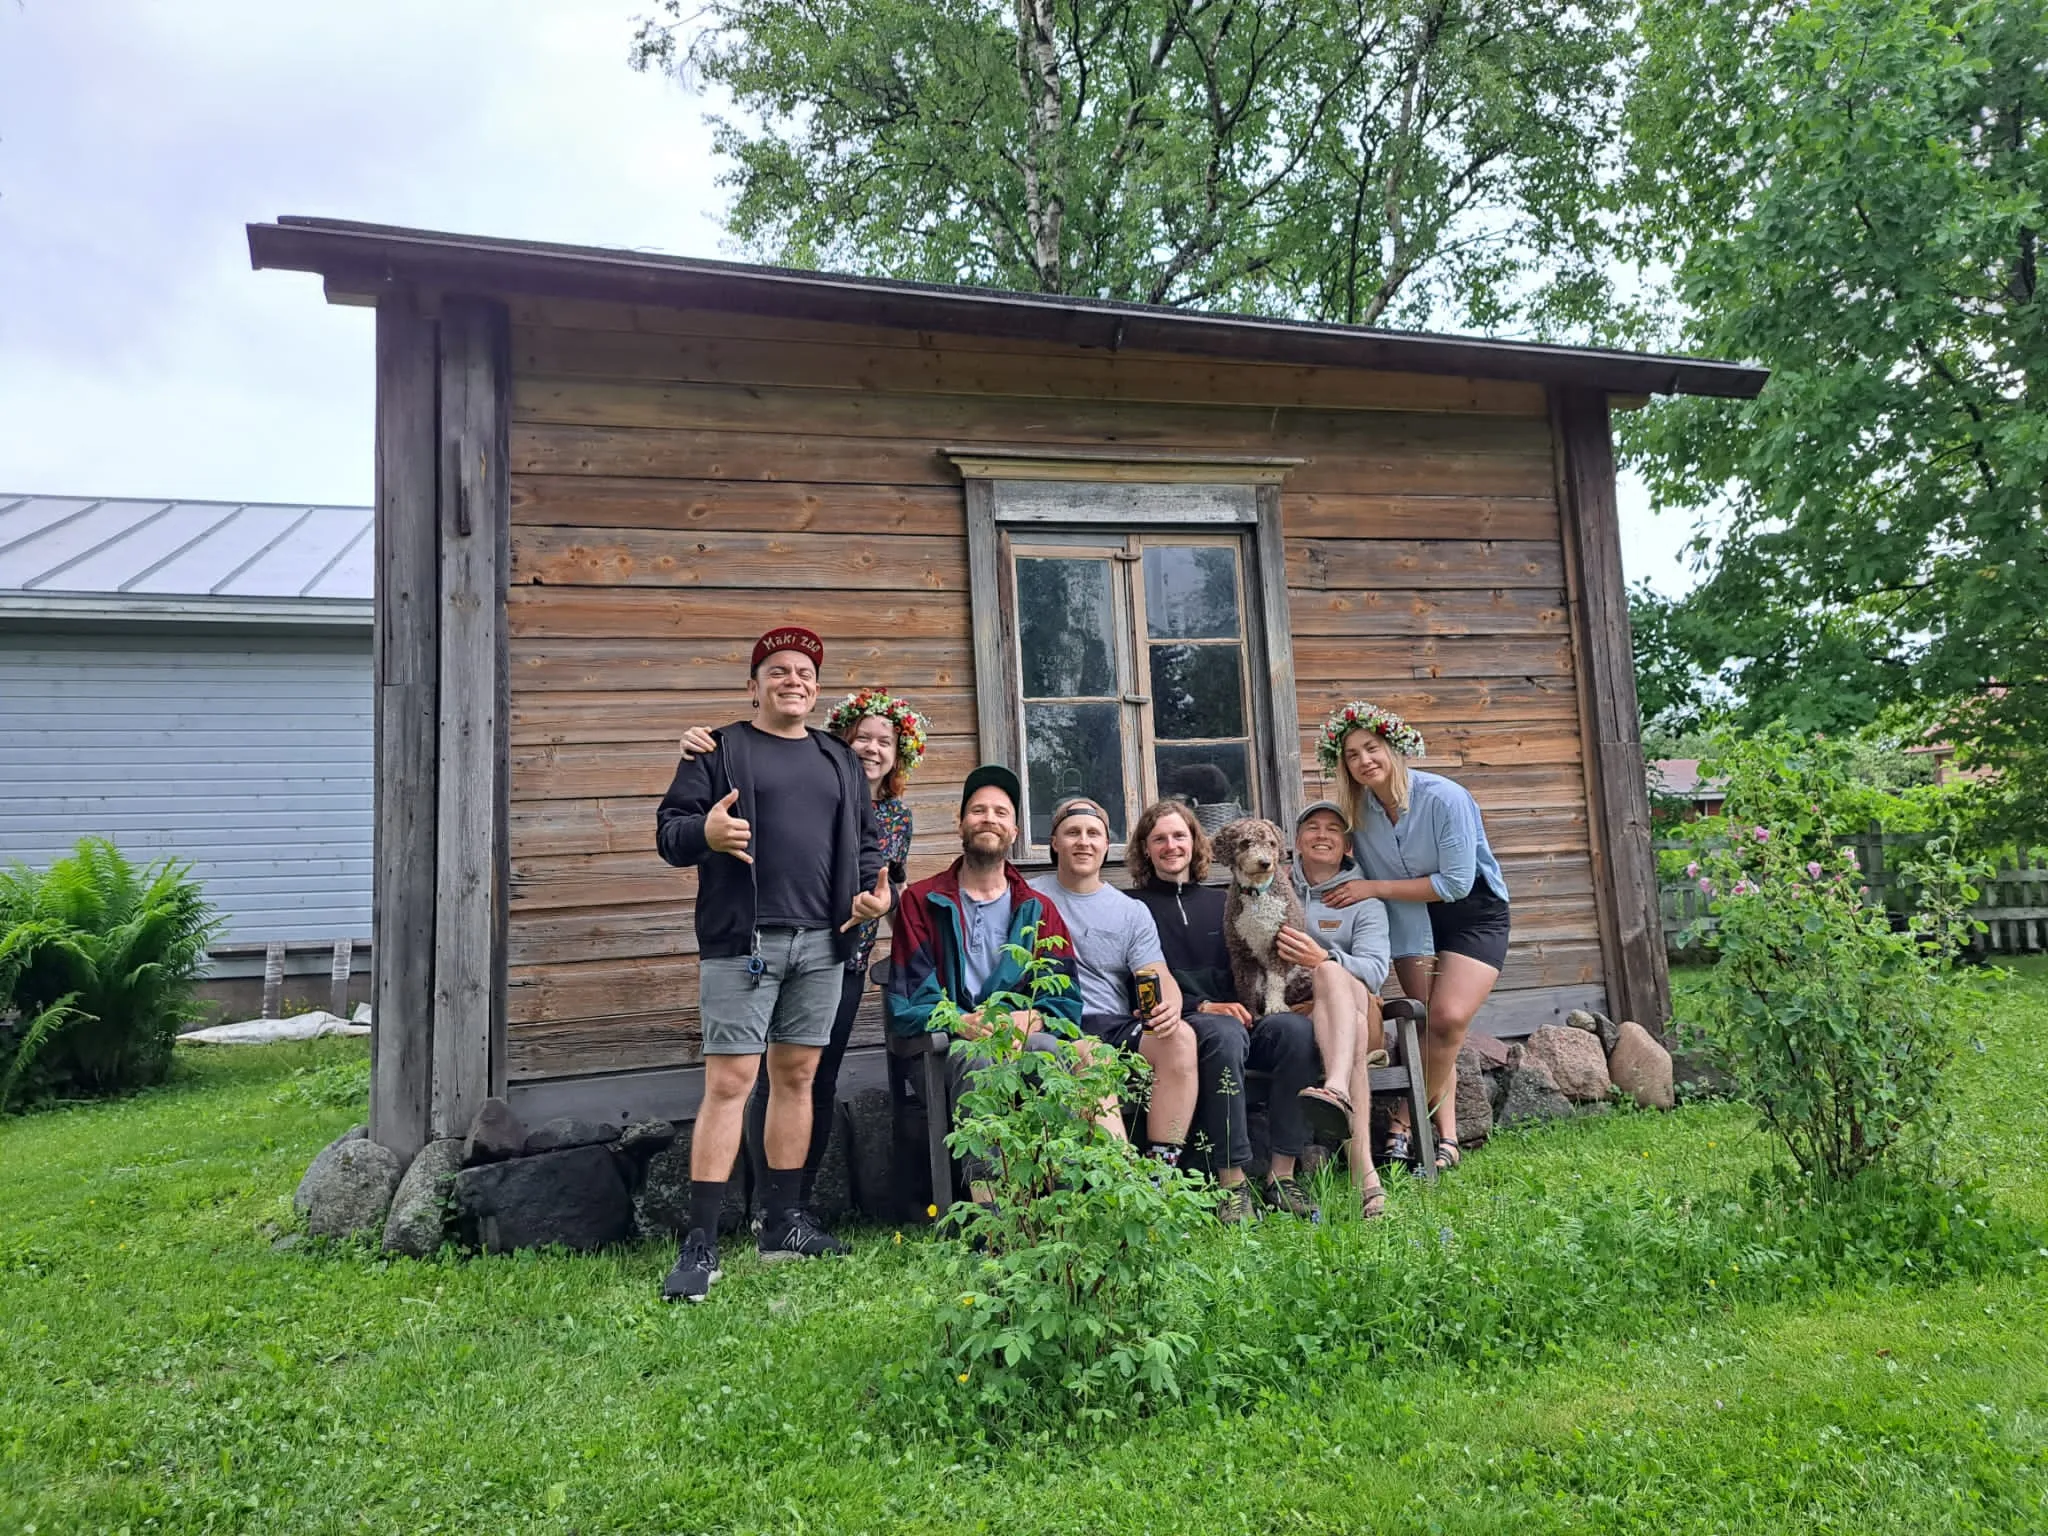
(97, 963)
(1836, 1022)
(1059, 1306)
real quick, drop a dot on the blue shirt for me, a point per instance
(988, 931)
(1440, 836)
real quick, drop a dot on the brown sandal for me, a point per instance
(1328, 1112)
(1373, 1201)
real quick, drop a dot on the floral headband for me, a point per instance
(1361, 716)
(884, 705)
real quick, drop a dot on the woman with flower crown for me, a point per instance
(1422, 844)
(888, 737)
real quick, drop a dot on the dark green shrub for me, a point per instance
(1836, 1018)
(97, 964)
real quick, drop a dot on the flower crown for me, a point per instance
(909, 724)
(1361, 716)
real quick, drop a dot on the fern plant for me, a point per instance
(97, 963)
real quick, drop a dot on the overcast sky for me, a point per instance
(140, 355)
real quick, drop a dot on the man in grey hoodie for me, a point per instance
(1356, 937)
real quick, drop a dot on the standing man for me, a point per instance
(1114, 942)
(1167, 858)
(778, 822)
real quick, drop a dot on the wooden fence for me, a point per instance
(2012, 904)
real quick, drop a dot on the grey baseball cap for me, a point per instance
(1331, 806)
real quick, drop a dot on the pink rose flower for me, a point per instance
(1692, 870)
(1763, 834)
(1813, 869)
(1707, 886)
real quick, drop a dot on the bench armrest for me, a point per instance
(933, 1043)
(1404, 1008)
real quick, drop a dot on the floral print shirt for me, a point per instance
(893, 817)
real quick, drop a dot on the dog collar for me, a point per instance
(1260, 890)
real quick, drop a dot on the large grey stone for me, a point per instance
(353, 1192)
(1532, 1094)
(419, 1211)
(1577, 1064)
(495, 1133)
(1608, 1031)
(662, 1202)
(643, 1138)
(575, 1199)
(302, 1197)
(1641, 1068)
(566, 1131)
(1490, 1050)
(1475, 1100)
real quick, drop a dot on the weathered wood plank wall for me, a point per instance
(682, 480)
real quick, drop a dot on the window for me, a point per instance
(1130, 633)
(1132, 674)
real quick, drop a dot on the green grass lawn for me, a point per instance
(164, 1368)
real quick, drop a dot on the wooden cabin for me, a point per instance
(1129, 551)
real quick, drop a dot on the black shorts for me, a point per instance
(1476, 924)
(1123, 1033)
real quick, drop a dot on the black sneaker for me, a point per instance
(696, 1267)
(796, 1235)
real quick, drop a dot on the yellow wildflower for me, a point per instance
(931, 1210)
(963, 1378)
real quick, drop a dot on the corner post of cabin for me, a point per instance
(471, 830)
(407, 683)
(1618, 800)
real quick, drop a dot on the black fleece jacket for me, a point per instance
(726, 897)
(1190, 923)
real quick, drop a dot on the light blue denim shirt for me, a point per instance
(1442, 837)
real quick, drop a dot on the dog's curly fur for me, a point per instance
(1261, 902)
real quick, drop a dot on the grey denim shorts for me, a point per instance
(792, 1002)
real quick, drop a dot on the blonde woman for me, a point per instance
(1421, 844)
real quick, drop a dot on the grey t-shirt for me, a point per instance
(1113, 936)
(988, 930)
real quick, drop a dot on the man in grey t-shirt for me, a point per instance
(1114, 940)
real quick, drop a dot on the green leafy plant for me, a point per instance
(334, 1085)
(97, 960)
(1834, 1019)
(1061, 1305)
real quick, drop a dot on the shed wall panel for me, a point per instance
(681, 482)
(248, 756)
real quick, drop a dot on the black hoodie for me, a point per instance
(725, 913)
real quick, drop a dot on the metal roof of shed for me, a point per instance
(363, 260)
(78, 555)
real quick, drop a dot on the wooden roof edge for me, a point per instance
(366, 259)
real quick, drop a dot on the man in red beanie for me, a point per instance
(779, 824)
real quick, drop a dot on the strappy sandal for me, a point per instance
(1399, 1148)
(1372, 1202)
(1447, 1154)
(1328, 1112)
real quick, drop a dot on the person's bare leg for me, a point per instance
(1417, 974)
(1172, 1107)
(1462, 984)
(1334, 1013)
(1109, 1115)
(715, 1142)
(787, 1139)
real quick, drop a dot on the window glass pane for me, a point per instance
(1214, 778)
(1197, 690)
(1073, 749)
(1064, 634)
(1191, 591)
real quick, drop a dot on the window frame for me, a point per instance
(1090, 500)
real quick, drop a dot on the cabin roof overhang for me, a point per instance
(362, 261)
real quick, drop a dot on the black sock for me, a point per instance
(779, 1193)
(1165, 1152)
(707, 1203)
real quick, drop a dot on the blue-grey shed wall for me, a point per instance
(248, 754)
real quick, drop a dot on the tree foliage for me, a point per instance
(1348, 160)
(1851, 191)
